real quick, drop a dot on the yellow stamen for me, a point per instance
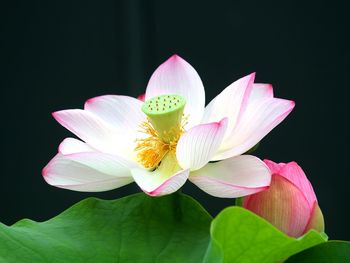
(152, 149)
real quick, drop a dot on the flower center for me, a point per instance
(163, 128)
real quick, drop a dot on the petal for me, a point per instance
(141, 97)
(316, 220)
(122, 112)
(71, 145)
(176, 76)
(258, 120)
(155, 185)
(260, 91)
(197, 146)
(275, 168)
(230, 103)
(97, 133)
(283, 205)
(166, 179)
(234, 177)
(293, 172)
(87, 172)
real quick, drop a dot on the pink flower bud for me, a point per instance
(290, 203)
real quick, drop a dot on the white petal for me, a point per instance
(258, 120)
(230, 103)
(260, 91)
(234, 177)
(71, 145)
(166, 179)
(176, 76)
(87, 172)
(198, 145)
(122, 112)
(97, 133)
(152, 183)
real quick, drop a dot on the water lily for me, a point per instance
(290, 203)
(169, 138)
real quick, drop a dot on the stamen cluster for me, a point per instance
(152, 149)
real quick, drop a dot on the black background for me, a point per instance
(55, 55)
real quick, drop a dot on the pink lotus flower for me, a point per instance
(161, 145)
(290, 203)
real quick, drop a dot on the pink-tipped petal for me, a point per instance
(141, 97)
(275, 168)
(197, 146)
(87, 172)
(231, 178)
(166, 179)
(122, 112)
(230, 103)
(257, 121)
(71, 145)
(283, 205)
(157, 184)
(96, 132)
(260, 91)
(176, 76)
(293, 172)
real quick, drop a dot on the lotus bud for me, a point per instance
(290, 203)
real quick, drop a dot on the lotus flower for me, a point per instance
(290, 203)
(169, 138)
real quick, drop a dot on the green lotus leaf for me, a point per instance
(239, 235)
(136, 228)
(173, 228)
(329, 252)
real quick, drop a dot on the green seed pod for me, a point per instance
(165, 113)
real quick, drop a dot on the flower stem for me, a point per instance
(239, 201)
